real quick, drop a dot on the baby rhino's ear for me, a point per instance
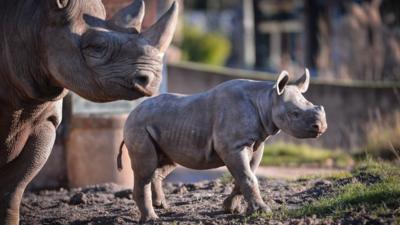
(282, 81)
(303, 82)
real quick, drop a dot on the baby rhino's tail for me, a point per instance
(119, 157)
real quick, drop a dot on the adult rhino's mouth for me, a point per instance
(138, 84)
(142, 90)
(143, 82)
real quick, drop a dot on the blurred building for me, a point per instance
(357, 39)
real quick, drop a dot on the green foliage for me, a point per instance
(202, 47)
(383, 138)
(375, 197)
(333, 176)
(354, 195)
(377, 168)
(281, 154)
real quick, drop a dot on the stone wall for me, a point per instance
(349, 106)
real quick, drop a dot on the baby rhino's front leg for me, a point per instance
(232, 204)
(238, 163)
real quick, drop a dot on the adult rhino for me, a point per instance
(51, 46)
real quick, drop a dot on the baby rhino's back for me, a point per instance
(181, 126)
(171, 111)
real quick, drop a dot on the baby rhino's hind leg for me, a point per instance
(144, 164)
(165, 167)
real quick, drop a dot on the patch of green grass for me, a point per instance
(377, 198)
(281, 154)
(378, 168)
(333, 176)
(353, 195)
(266, 215)
(338, 175)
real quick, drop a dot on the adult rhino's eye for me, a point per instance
(97, 50)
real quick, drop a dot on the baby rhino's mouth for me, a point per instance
(317, 129)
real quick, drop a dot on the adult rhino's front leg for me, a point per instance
(16, 175)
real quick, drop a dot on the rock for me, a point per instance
(367, 178)
(279, 201)
(210, 223)
(191, 187)
(128, 194)
(180, 190)
(168, 186)
(323, 182)
(78, 198)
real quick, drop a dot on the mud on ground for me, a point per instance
(199, 203)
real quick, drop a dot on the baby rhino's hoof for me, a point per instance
(161, 204)
(149, 218)
(258, 208)
(232, 205)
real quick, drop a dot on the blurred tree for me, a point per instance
(200, 46)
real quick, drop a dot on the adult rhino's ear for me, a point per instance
(58, 11)
(161, 33)
(282, 81)
(130, 16)
(303, 82)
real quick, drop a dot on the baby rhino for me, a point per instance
(224, 126)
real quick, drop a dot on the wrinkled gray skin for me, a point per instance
(49, 46)
(224, 126)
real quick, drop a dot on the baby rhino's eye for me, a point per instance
(295, 114)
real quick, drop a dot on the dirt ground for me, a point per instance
(198, 203)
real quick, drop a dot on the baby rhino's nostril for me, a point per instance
(316, 126)
(319, 108)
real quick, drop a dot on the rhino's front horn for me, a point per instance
(161, 33)
(130, 16)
